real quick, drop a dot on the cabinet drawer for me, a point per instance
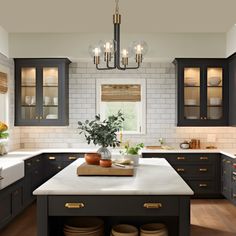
(17, 200)
(70, 157)
(117, 205)
(195, 171)
(5, 208)
(203, 187)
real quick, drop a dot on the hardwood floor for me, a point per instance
(208, 218)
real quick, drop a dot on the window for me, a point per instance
(126, 95)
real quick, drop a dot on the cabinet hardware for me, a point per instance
(74, 205)
(201, 118)
(37, 160)
(203, 185)
(205, 118)
(180, 169)
(234, 173)
(180, 158)
(36, 117)
(224, 172)
(223, 160)
(1, 178)
(203, 158)
(234, 178)
(228, 162)
(154, 205)
(59, 167)
(203, 169)
(72, 158)
(234, 195)
(40, 117)
(51, 158)
(28, 164)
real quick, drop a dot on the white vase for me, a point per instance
(3, 149)
(133, 158)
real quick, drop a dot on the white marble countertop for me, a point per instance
(152, 177)
(24, 154)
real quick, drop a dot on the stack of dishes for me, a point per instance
(153, 229)
(215, 101)
(214, 81)
(190, 102)
(124, 230)
(190, 81)
(84, 226)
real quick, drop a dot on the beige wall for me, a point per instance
(3, 42)
(163, 46)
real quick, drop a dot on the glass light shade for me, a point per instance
(138, 47)
(95, 50)
(108, 46)
(124, 53)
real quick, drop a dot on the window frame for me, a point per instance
(142, 82)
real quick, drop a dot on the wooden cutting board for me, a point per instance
(95, 170)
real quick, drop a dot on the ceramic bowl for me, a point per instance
(124, 230)
(105, 163)
(92, 158)
(214, 81)
(153, 229)
(190, 81)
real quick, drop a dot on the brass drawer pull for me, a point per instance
(153, 205)
(203, 169)
(74, 205)
(51, 158)
(228, 162)
(72, 158)
(203, 158)
(180, 158)
(180, 169)
(37, 160)
(234, 195)
(59, 167)
(1, 178)
(28, 164)
(203, 185)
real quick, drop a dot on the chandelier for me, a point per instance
(114, 57)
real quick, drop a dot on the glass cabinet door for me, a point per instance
(28, 93)
(50, 93)
(214, 93)
(192, 80)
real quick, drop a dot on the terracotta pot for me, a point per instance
(105, 163)
(92, 158)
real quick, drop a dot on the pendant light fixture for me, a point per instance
(113, 56)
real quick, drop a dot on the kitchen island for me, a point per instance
(156, 193)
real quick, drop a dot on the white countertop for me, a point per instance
(152, 177)
(24, 154)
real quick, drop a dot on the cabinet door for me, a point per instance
(232, 89)
(17, 200)
(5, 207)
(27, 95)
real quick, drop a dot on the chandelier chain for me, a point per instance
(117, 6)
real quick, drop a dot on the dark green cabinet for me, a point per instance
(201, 171)
(232, 89)
(42, 92)
(202, 91)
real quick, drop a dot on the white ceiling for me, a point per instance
(138, 16)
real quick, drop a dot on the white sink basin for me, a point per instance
(11, 170)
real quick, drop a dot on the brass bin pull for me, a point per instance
(51, 158)
(203, 170)
(228, 162)
(72, 158)
(74, 205)
(203, 158)
(234, 195)
(180, 158)
(180, 169)
(202, 185)
(154, 205)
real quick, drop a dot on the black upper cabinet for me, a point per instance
(42, 92)
(232, 90)
(202, 87)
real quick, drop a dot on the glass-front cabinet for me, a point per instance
(202, 92)
(41, 92)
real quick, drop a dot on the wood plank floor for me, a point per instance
(208, 218)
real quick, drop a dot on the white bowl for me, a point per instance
(191, 117)
(190, 81)
(190, 101)
(215, 101)
(214, 81)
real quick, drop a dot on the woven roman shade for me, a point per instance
(3, 82)
(121, 93)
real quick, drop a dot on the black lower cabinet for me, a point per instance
(201, 171)
(11, 202)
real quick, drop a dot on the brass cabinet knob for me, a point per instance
(74, 205)
(51, 158)
(36, 117)
(203, 169)
(40, 117)
(152, 205)
(203, 158)
(37, 160)
(72, 158)
(203, 185)
(205, 118)
(223, 160)
(201, 118)
(59, 167)
(180, 158)
(180, 169)
(28, 164)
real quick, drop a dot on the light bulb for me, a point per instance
(108, 46)
(138, 47)
(94, 50)
(124, 53)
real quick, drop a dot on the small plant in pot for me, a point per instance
(3, 137)
(132, 153)
(102, 133)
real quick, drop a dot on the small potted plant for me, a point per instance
(3, 137)
(132, 153)
(102, 133)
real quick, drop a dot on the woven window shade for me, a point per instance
(3, 82)
(121, 93)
